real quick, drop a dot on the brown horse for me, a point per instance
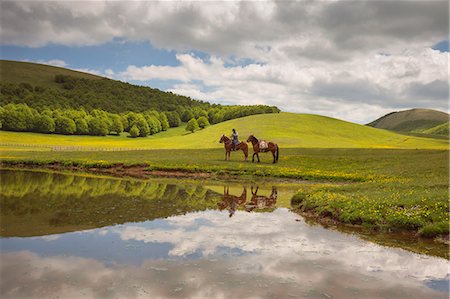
(272, 147)
(228, 145)
(232, 201)
(260, 202)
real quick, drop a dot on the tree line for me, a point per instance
(104, 94)
(22, 118)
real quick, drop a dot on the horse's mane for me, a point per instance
(255, 138)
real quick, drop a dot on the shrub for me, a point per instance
(203, 122)
(192, 125)
(134, 131)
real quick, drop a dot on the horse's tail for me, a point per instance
(278, 153)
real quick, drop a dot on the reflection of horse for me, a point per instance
(262, 202)
(231, 201)
(228, 145)
(262, 147)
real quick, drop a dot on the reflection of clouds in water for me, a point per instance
(32, 276)
(277, 235)
(49, 237)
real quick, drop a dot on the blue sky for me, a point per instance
(307, 57)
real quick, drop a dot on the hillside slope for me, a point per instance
(289, 130)
(37, 74)
(442, 129)
(414, 120)
(47, 87)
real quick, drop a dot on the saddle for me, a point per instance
(263, 145)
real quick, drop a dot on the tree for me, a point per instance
(15, 119)
(44, 124)
(97, 126)
(82, 126)
(192, 125)
(142, 125)
(203, 122)
(164, 121)
(116, 124)
(134, 131)
(64, 125)
(187, 115)
(174, 119)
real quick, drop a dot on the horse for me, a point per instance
(272, 147)
(228, 145)
(260, 201)
(232, 201)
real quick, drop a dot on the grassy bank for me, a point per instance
(389, 189)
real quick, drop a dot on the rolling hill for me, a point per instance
(414, 120)
(43, 86)
(289, 130)
(37, 74)
(442, 129)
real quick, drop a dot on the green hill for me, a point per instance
(289, 130)
(42, 86)
(414, 120)
(442, 129)
(37, 74)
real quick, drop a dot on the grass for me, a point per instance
(392, 189)
(289, 130)
(36, 74)
(397, 182)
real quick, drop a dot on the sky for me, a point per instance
(352, 60)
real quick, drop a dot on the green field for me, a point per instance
(37, 74)
(289, 130)
(386, 181)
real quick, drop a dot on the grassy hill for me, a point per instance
(43, 86)
(442, 129)
(37, 74)
(289, 130)
(414, 120)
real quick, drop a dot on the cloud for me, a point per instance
(303, 56)
(34, 276)
(250, 254)
(359, 89)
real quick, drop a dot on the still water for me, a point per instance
(72, 236)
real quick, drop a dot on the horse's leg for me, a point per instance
(226, 153)
(257, 156)
(274, 159)
(253, 157)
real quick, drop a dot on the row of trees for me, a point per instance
(20, 117)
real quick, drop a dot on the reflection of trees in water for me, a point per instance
(257, 202)
(67, 200)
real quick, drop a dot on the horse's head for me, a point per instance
(250, 138)
(222, 138)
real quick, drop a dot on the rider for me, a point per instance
(234, 138)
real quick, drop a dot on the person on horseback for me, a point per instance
(234, 139)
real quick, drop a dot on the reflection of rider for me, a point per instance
(234, 138)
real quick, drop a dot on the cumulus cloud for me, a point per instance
(276, 256)
(303, 54)
(359, 89)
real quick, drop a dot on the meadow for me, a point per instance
(386, 181)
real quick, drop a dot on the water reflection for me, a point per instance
(199, 255)
(131, 239)
(40, 203)
(257, 202)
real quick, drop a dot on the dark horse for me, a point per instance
(272, 147)
(228, 145)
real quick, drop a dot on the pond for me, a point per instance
(80, 236)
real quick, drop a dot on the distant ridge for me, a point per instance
(37, 74)
(415, 120)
